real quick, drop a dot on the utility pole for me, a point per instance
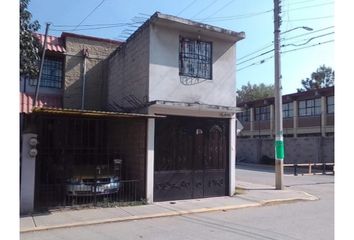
(41, 67)
(279, 142)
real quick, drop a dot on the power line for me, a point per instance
(314, 45)
(284, 45)
(93, 28)
(298, 2)
(305, 34)
(312, 6)
(256, 63)
(292, 50)
(256, 56)
(250, 54)
(309, 19)
(186, 7)
(308, 40)
(217, 11)
(233, 17)
(90, 14)
(285, 39)
(211, 4)
(89, 25)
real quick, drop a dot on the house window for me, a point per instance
(52, 74)
(311, 107)
(262, 113)
(195, 58)
(287, 110)
(330, 104)
(244, 116)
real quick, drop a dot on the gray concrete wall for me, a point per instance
(165, 82)
(128, 71)
(297, 150)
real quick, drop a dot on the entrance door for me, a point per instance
(191, 158)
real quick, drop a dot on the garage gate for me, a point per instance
(191, 158)
(89, 160)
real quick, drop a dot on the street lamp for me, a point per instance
(303, 27)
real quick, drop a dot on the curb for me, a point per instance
(169, 214)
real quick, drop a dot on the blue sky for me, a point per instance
(254, 17)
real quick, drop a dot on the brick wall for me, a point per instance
(297, 150)
(128, 72)
(95, 70)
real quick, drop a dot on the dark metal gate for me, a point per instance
(191, 158)
(77, 164)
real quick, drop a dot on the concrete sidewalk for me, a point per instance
(248, 195)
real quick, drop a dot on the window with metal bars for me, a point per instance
(195, 58)
(52, 74)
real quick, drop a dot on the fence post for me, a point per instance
(295, 169)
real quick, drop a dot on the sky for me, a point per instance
(254, 17)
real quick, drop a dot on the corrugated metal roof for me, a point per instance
(92, 113)
(54, 44)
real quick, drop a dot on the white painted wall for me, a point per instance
(165, 82)
(28, 170)
(150, 156)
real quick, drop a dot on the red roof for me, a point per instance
(55, 44)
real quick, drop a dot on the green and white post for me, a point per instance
(279, 142)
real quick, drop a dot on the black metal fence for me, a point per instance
(78, 164)
(89, 192)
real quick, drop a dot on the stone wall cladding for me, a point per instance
(128, 72)
(95, 72)
(297, 150)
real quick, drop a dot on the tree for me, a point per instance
(322, 78)
(29, 44)
(253, 92)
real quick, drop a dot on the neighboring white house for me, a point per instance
(185, 70)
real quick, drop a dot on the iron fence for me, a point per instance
(88, 192)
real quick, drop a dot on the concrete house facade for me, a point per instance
(157, 112)
(186, 71)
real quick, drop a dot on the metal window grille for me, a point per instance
(262, 113)
(310, 107)
(195, 58)
(330, 104)
(52, 74)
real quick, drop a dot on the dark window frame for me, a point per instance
(330, 106)
(195, 58)
(262, 113)
(288, 110)
(52, 74)
(244, 116)
(309, 107)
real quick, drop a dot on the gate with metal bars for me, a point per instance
(191, 158)
(78, 165)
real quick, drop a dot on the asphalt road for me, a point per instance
(299, 220)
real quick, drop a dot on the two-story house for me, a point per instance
(186, 71)
(162, 103)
